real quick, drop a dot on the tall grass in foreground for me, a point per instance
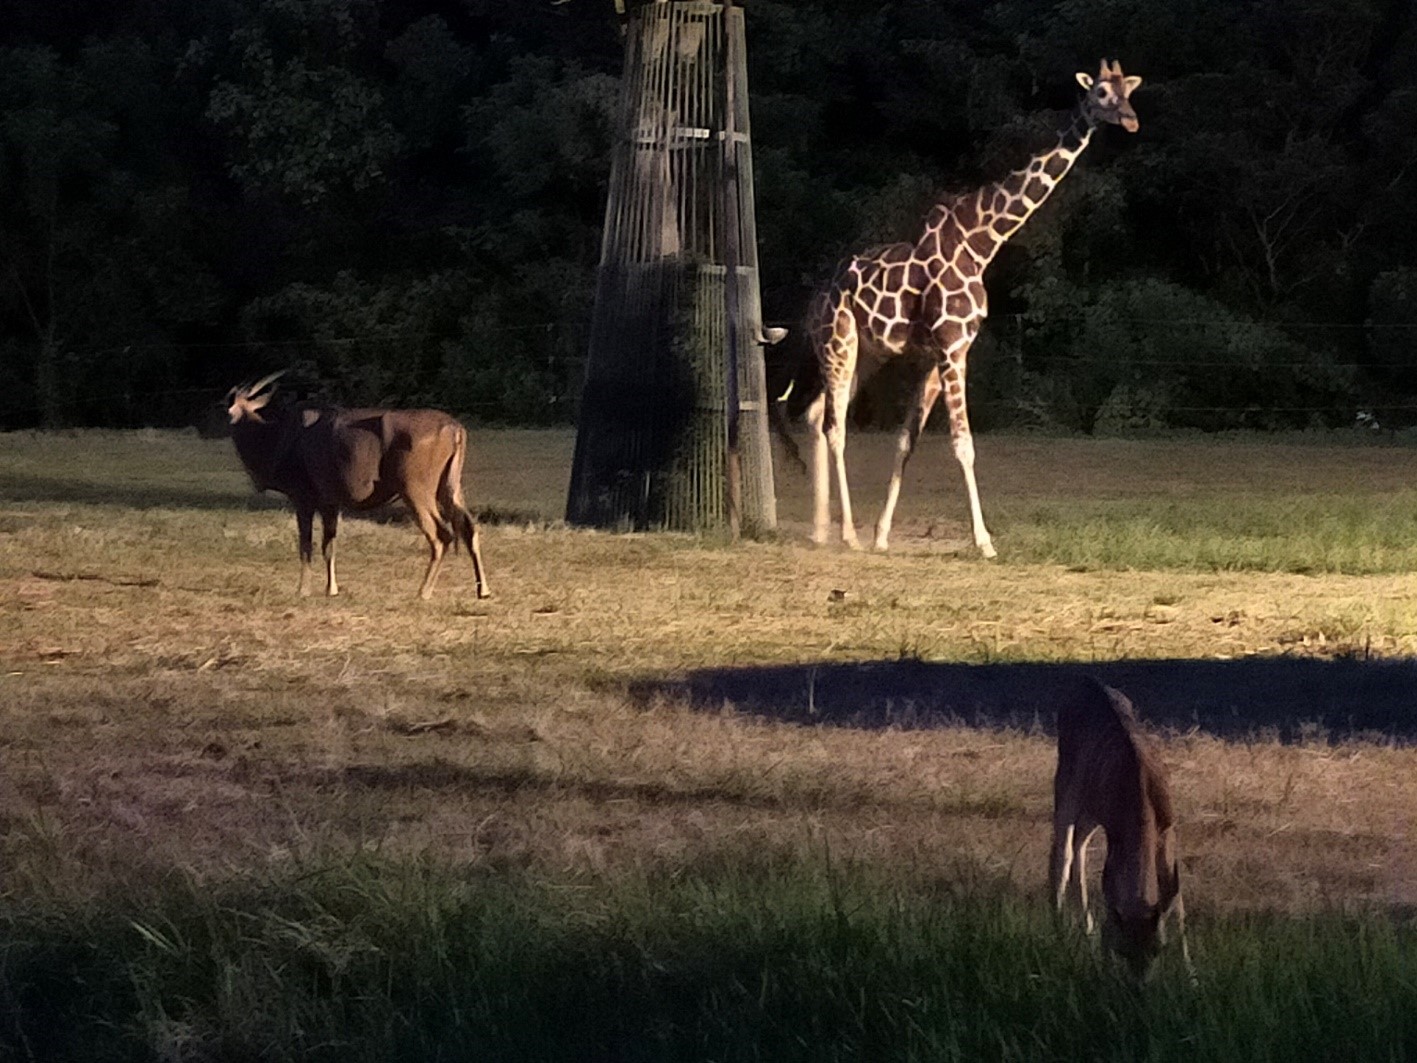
(369, 961)
(1296, 533)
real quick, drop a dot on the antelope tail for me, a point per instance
(450, 498)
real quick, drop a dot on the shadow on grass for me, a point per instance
(18, 487)
(1285, 697)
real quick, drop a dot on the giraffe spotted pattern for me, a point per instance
(930, 296)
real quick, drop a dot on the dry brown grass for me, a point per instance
(169, 703)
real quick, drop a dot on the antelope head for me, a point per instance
(244, 402)
(1135, 927)
(1108, 96)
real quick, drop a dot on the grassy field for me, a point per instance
(697, 802)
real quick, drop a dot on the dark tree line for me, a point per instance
(403, 198)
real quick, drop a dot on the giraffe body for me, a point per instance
(929, 295)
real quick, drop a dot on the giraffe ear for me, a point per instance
(1085, 80)
(1129, 84)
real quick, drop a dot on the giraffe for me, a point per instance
(930, 296)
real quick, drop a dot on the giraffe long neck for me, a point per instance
(1001, 208)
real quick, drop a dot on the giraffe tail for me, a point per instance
(792, 388)
(777, 419)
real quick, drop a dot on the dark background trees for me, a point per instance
(403, 198)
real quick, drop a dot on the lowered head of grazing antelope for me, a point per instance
(1110, 778)
(326, 459)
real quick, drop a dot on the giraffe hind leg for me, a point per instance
(926, 392)
(821, 472)
(835, 431)
(838, 360)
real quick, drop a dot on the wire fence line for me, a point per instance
(1016, 320)
(561, 369)
(363, 337)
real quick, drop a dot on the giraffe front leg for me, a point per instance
(926, 392)
(964, 452)
(952, 373)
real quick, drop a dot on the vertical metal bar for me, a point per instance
(733, 480)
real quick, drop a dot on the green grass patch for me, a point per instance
(1355, 535)
(361, 960)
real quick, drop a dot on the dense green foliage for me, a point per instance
(355, 961)
(404, 198)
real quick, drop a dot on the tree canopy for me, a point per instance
(404, 198)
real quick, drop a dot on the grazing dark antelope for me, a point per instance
(1109, 777)
(325, 459)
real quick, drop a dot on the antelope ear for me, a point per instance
(1129, 85)
(1085, 80)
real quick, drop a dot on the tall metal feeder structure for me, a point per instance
(673, 428)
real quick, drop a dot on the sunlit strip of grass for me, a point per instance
(372, 961)
(1302, 534)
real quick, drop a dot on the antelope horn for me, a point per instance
(260, 385)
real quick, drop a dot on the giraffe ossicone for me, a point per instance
(929, 295)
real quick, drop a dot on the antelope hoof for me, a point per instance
(987, 549)
(483, 592)
(851, 541)
(883, 541)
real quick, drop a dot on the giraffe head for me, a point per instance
(1108, 96)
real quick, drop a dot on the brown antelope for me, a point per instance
(325, 459)
(1109, 777)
